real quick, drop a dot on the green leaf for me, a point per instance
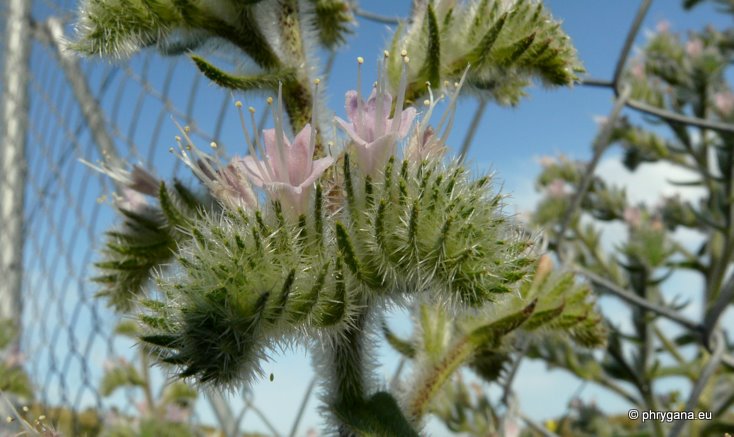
(541, 318)
(493, 332)
(261, 81)
(174, 215)
(379, 416)
(128, 328)
(332, 19)
(404, 347)
(8, 332)
(480, 55)
(16, 381)
(507, 56)
(122, 375)
(180, 393)
(432, 64)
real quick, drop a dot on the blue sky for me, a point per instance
(508, 141)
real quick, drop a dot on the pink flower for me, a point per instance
(556, 189)
(638, 70)
(288, 171)
(131, 200)
(663, 26)
(176, 414)
(424, 145)
(15, 359)
(546, 161)
(374, 134)
(139, 179)
(427, 142)
(694, 47)
(230, 185)
(632, 216)
(724, 102)
(227, 184)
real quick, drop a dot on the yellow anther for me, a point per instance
(269, 100)
(404, 53)
(251, 109)
(428, 84)
(188, 147)
(187, 129)
(316, 81)
(178, 139)
(446, 83)
(426, 102)
(406, 59)
(100, 199)
(170, 149)
(41, 417)
(360, 60)
(386, 54)
(456, 84)
(238, 104)
(213, 145)
(9, 419)
(25, 408)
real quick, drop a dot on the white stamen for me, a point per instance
(279, 134)
(360, 127)
(314, 117)
(250, 148)
(379, 117)
(264, 168)
(451, 110)
(397, 117)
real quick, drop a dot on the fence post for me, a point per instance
(13, 166)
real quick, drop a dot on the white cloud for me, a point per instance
(650, 181)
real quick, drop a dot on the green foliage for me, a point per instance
(119, 29)
(146, 240)
(333, 20)
(8, 332)
(253, 279)
(507, 45)
(13, 378)
(379, 416)
(122, 375)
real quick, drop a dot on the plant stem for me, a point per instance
(347, 379)
(302, 408)
(600, 146)
(472, 128)
(145, 363)
(434, 379)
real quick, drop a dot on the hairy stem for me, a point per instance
(347, 367)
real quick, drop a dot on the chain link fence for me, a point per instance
(58, 109)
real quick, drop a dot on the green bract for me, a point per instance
(250, 280)
(507, 43)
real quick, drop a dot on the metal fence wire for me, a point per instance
(53, 209)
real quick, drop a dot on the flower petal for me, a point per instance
(351, 105)
(406, 121)
(278, 161)
(252, 167)
(373, 156)
(300, 154)
(385, 99)
(319, 166)
(349, 129)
